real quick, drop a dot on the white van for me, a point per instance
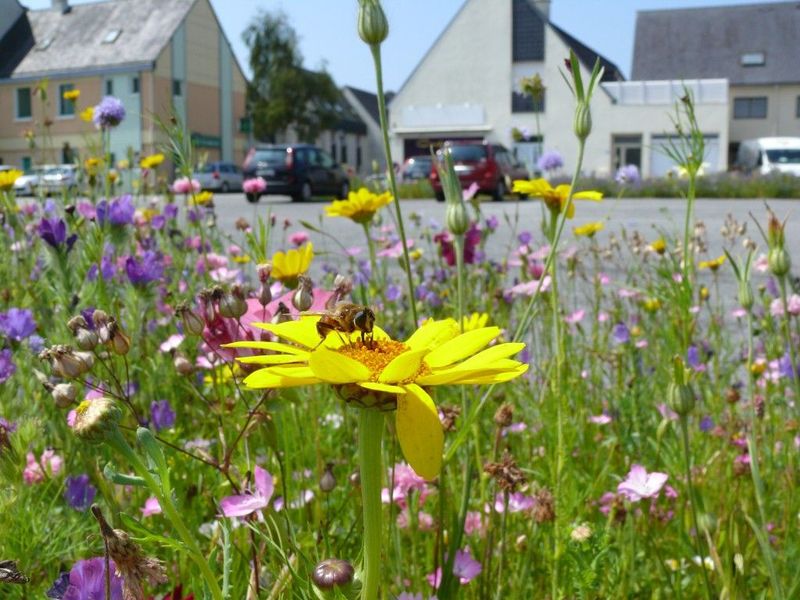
(770, 154)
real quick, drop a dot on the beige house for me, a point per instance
(753, 46)
(158, 57)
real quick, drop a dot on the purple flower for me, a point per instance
(17, 323)
(628, 174)
(525, 238)
(87, 581)
(54, 232)
(706, 424)
(492, 223)
(393, 292)
(243, 505)
(170, 210)
(161, 415)
(108, 113)
(465, 568)
(785, 366)
(621, 333)
(550, 161)
(121, 210)
(7, 366)
(641, 484)
(79, 493)
(143, 271)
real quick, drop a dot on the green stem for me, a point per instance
(370, 432)
(373, 263)
(787, 332)
(118, 442)
(376, 57)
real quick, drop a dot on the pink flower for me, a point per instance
(469, 193)
(298, 238)
(465, 568)
(424, 520)
(243, 505)
(395, 250)
(184, 185)
(254, 186)
(35, 471)
(171, 343)
(151, 507)
(575, 317)
(641, 484)
(603, 419)
(473, 523)
(529, 287)
(517, 502)
(405, 482)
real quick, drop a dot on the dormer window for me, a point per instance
(753, 59)
(44, 44)
(112, 36)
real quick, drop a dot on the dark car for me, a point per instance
(417, 167)
(489, 165)
(301, 171)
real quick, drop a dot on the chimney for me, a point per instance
(61, 5)
(544, 7)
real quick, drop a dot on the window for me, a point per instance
(66, 108)
(344, 153)
(521, 103)
(359, 158)
(753, 59)
(109, 87)
(135, 85)
(797, 108)
(112, 36)
(27, 163)
(24, 103)
(177, 87)
(750, 108)
(333, 150)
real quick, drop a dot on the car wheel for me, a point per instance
(225, 188)
(499, 191)
(252, 198)
(439, 196)
(305, 194)
(344, 191)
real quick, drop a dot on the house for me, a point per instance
(157, 57)
(468, 87)
(753, 46)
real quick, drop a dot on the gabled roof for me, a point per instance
(699, 43)
(588, 57)
(73, 41)
(368, 101)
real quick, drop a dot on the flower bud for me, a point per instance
(64, 394)
(303, 296)
(192, 323)
(328, 480)
(67, 363)
(373, 27)
(119, 342)
(333, 573)
(680, 395)
(779, 261)
(264, 294)
(583, 120)
(86, 339)
(746, 299)
(96, 419)
(456, 213)
(182, 365)
(232, 304)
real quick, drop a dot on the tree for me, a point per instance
(282, 93)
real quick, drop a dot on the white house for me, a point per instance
(467, 86)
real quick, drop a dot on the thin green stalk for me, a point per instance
(370, 432)
(376, 57)
(787, 333)
(118, 442)
(688, 263)
(373, 263)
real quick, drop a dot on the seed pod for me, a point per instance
(327, 482)
(182, 365)
(232, 304)
(779, 262)
(746, 299)
(680, 398)
(64, 394)
(373, 27)
(332, 573)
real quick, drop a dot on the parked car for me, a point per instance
(417, 167)
(28, 183)
(768, 155)
(59, 178)
(220, 177)
(297, 170)
(489, 165)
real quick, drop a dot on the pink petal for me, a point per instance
(241, 506)
(264, 484)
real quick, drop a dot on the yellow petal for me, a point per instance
(501, 377)
(485, 357)
(382, 387)
(432, 334)
(337, 368)
(403, 366)
(276, 346)
(461, 347)
(271, 359)
(265, 378)
(588, 195)
(458, 374)
(302, 331)
(420, 432)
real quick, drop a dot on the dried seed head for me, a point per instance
(96, 419)
(448, 413)
(232, 304)
(64, 394)
(506, 473)
(192, 323)
(544, 506)
(504, 415)
(303, 297)
(66, 362)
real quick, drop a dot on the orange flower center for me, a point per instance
(377, 354)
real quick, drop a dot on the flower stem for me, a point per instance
(787, 332)
(370, 432)
(373, 263)
(376, 57)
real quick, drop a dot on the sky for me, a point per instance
(328, 37)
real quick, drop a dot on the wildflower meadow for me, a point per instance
(188, 413)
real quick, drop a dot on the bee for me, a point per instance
(347, 317)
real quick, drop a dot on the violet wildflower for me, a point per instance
(161, 415)
(621, 333)
(17, 324)
(109, 113)
(550, 161)
(706, 424)
(54, 232)
(641, 484)
(628, 174)
(465, 568)
(245, 504)
(171, 211)
(121, 210)
(79, 493)
(149, 267)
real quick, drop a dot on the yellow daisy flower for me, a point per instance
(87, 114)
(201, 198)
(7, 178)
(152, 161)
(71, 95)
(287, 266)
(383, 373)
(554, 197)
(589, 229)
(475, 321)
(714, 264)
(659, 246)
(360, 206)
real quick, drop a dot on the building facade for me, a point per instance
(159, 58)
(468, 86)
(753, 46)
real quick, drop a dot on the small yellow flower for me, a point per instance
(474, 321)
(636, 331)
(659, 246)
(112, 176)
(415, 254)
(714, 264)
(360, 206)
(201, 198)
(384, 373)
(704, 293)
(287, 266)
(92, 165)
(589, 229)
(241, 259)
(71, 95)
(152, 161)
(554, 197)
(147, 214)
(87, 114)
(123, 164)
(651, 304)
(7, 178)
(758, 367)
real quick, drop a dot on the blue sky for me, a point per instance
(328, 37)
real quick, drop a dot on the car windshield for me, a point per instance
(468, 153)
(207, 169)
(272, 156)
(785, 156)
